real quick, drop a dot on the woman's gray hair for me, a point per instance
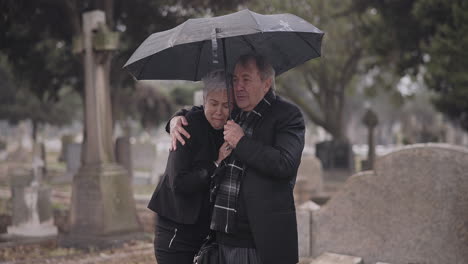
(214, 80)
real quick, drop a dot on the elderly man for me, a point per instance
(254, 214)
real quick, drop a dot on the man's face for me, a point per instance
(249, 89)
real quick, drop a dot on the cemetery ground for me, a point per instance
(49, 250)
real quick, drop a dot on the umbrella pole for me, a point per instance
(227, 79)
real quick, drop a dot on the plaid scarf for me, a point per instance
(227, 194)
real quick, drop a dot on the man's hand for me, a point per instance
(224, 151)
(232, 133)
(176, 130)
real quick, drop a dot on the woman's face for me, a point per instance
(217, 108)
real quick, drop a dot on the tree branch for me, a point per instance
(350, 67)
(305, 106)
(310, 86)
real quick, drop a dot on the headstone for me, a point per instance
(309, 180)
(123, 154)
(143, 161)
(337, 159)
(73, 160)
(143, 156)
(65, 140)
(198, 98)
(162, 153)
(303, 232)
(31, 208)
(42, 156)
(303, 215)
(335, 154)
(331, 258)
(411, 209)
(19, 156)
(38, 162)
(16, 159)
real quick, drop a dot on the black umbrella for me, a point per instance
(194, 48)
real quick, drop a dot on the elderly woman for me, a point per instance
(181, 199)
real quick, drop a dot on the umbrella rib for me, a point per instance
(252, 47)
(310, 45)
(144, 65)
(253, 17)
(178, 33)
(200, 47)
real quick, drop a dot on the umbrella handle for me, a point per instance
(214, 54)
(214, 45)
(214, 50)
(227, 80)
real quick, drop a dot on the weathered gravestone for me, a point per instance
(331, 258)
(303, 216)
(123, 154)
(72, 155)
(31, 211)
(143, 160)
(309, 180)
(162, 153)
(143, 155)
(413, 208)
(65, 140)
(198, 98)
(31, 208)
(19, 156)
(337, 159)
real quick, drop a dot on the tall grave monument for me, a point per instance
(102, 206)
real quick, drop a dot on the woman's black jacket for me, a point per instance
(183, 190)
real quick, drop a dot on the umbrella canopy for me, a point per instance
(194, 48)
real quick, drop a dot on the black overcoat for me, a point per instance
(272, 156)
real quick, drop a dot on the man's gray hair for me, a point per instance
(214, 80)
(264, 67)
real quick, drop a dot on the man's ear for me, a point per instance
(267, 85)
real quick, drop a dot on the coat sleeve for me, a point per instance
(181, 112)
(185, 173)
(280, 160)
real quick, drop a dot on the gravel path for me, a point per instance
(135, 252)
